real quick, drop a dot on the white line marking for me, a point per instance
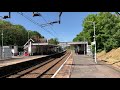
(61, 66)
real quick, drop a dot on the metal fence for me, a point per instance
(5, 53)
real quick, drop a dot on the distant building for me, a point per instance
(39, 47)
(5, 53)
(63, 44)
(82, 47)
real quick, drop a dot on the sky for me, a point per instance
(71, 23)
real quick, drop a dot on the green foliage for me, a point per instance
(93, 48)
(53, 41)
(110, 44)
(34, 33)
(107, 29)
(15, 34)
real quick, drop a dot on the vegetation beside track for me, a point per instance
(112, 57)
(107, 29)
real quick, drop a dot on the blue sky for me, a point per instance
(71, 23)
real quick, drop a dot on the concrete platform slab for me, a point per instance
(18, 60)
(65, 71)
(85, 67)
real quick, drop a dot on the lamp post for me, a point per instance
(4, 17)
(2, 46)
(94, 40)
(2, 53)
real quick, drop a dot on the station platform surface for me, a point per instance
(18, 59)
(65, 70)
(84, 67)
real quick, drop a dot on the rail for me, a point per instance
(15, 68)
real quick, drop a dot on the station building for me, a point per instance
(34, 47)
(83, 47)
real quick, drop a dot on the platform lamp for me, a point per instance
(94, 38)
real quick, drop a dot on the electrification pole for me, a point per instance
(4, 17)
(2, 46)
(95, 42)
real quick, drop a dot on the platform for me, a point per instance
(85, 67)
(65, 70)
(18, 59)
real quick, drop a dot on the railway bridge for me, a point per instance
(82, 46)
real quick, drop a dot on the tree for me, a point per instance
(15, 34)
(107, 30)
(53, 41)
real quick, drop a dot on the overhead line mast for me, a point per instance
(35, 23)
(58, 21)
(47, 24)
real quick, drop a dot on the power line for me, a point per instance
(31, 20)
(44, 28)
(50, 25)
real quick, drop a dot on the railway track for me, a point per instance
(45, 69)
